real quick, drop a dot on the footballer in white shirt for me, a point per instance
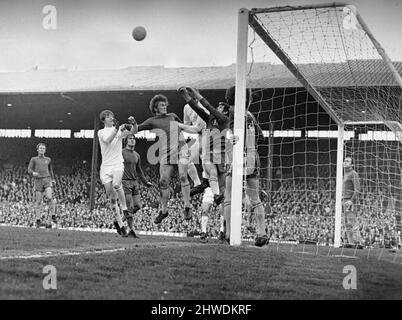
(194, 124)
(112, 167)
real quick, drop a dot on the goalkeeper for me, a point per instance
(351, 190)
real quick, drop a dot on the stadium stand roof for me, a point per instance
(160, 78)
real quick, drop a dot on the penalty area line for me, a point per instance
(61, 254)
(67, 252)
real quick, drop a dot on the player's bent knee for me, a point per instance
(183, 179)
(164, 184)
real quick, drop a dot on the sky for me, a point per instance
(96, 34)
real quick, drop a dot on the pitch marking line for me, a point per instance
(59, 254)
(67, 252)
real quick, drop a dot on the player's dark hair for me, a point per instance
(226, 107)
(231, 93)
(130, 135)
(104, 114)
(351, 159)
(155, 100)
(40, 144)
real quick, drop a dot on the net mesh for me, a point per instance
(332, 51)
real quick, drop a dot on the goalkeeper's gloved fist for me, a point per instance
(184, 93)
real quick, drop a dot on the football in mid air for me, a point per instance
(139, 33)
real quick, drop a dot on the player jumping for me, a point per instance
(132, 172)
(112, 167)
(253, 134)
(41, 169)
(195, 125)
(172, 151)
(206, 206)
(213, 139)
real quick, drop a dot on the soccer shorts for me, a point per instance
(194, 149)
(208, 196)
(131, 187)
(41, 184)
(108, 172)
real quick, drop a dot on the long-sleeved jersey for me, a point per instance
(132, 166)
(213, 139)
(41, 165)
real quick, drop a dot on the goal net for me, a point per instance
(322, 89)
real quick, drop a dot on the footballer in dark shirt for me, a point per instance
(132, 173)
(172, 151)
(41, 169)
(213, 139)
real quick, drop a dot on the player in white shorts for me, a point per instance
(194, 124)
(206, 205)
(112, 167)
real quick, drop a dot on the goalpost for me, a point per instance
(323, 89)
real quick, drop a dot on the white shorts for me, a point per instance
(108, 172)
(205, 175)
(208, 197)
(195, 151)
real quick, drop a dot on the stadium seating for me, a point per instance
(289, 218)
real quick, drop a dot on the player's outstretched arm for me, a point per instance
(218, 115)
(188, 128)
(193, 104)
(146, 125)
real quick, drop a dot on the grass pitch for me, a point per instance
(94, 265)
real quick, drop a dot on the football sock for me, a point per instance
(222, 219)
(214, 185)
(204, 223)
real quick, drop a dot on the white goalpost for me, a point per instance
(323, 89)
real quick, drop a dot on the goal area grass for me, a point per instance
(93, 265)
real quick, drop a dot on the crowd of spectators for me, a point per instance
(300, 209)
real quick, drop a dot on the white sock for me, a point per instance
(117, 215)
(214, 186)
(204, 223)
(222, 220)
